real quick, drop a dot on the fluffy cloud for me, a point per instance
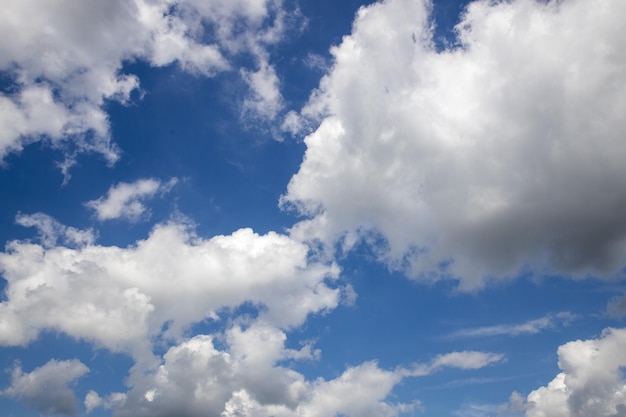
(502, 153)
(591, 382)
(198, 379)
(65, 59)
(45, 388)
(121, 298)
(124, 200)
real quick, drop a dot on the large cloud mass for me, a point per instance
(503, 152)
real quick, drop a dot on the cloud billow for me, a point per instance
(501, 154)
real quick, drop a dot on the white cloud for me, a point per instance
(123, 298)
(45, 389)
(124, 200)
(460, 360)
(530, 327)
(51, 232)
(503, 153)
(65, 60)
(197, 379)
(265, 99)
(591, 382)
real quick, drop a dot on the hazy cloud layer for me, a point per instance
(502, 153)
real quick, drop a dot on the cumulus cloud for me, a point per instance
(502, 153)
(591, 382)
(124, 200)
(45, 389)
(122, 298)
(550, 321)
(65, 60)
(196, 378)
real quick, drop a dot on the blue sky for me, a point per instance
(262, 208)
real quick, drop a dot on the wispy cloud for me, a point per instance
(550, 321)
(460, 360)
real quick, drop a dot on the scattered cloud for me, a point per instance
(501, 154)
(66, 60)
(590, 383)
(551, 321)
(125, 200)
(45, 389)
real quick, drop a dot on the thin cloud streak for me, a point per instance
(548, 322)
